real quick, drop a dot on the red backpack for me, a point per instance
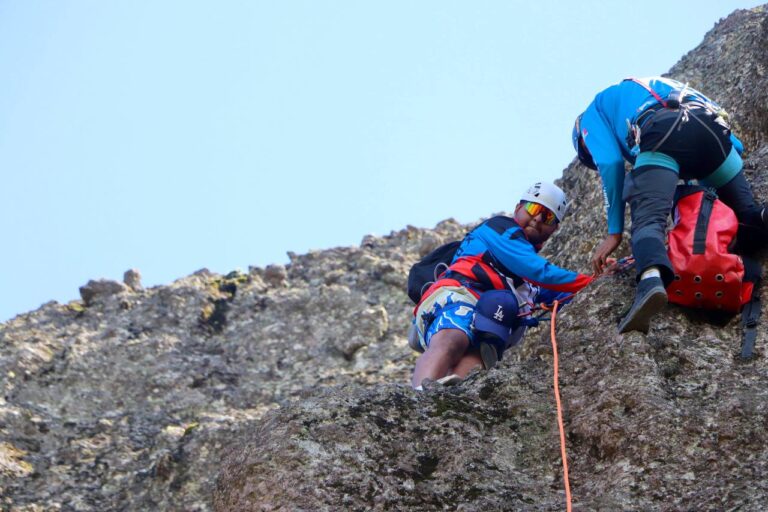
(707, 274)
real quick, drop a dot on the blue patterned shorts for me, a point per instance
(447, 308)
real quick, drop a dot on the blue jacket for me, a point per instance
(604, 128)
(497, 255)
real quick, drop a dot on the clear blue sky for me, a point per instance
(169, 136)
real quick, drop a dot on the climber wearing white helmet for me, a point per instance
(481, 305)
(545, 200)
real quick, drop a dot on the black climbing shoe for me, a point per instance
(489, 355)
(650, 298)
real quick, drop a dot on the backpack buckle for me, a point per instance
(673, 100)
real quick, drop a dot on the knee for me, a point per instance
(452, 342)
(651, 211)
(649, 229)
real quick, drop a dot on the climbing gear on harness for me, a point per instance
(548, 195)
(673, 102)
(650, 298)
(624, 263)
(676, 100)
(633, 134)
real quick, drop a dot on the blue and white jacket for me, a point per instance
(497, 255)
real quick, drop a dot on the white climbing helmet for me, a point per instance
(549, 195)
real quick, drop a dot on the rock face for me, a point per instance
(731, 65)
(285, 388)
(129, 399)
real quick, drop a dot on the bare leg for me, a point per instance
(466, 364)
(446, 349)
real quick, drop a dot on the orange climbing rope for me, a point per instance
(621, 265)
(555, 304)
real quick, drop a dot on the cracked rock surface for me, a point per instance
(286, 388)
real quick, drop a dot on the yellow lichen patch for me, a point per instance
(190, 427)
(227, 285)
(37, 352)
(207, 311)
(237, 276)
(174, 431)
(11, 463)
(76, 306)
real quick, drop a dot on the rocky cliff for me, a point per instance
(285, 388)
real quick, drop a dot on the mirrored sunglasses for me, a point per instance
(533, 209)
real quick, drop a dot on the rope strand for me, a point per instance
(621, 265)
(563, 454)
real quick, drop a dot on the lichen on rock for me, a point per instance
(286, 388)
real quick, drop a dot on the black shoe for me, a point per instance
(650, 298)
(489, 355)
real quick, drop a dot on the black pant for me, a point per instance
(738, 195)
(698, 140)
(650, 192)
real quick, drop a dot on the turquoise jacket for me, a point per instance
(605, 125)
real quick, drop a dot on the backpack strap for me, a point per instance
(702, 223)
(750, 314)
(648, 88)
(673, 102)
(749, 320)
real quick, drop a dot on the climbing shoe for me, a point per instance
(489, 355)
(650, 298)
(449, 380)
